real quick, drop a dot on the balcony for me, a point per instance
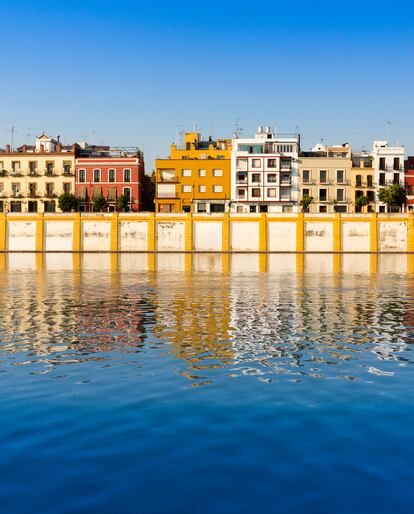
(285, 167)
(33, 173)
(49, 173)
(241, 180)
(166, 195)
(167, 180)
(16, 194)
(50, 194)
(16, 173)
(68, 173)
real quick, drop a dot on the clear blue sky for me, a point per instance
(128, 73)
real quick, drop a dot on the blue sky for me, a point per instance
(129, 73)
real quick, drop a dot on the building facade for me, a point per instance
(363, 182)
(195, 178)
(33, 176)
(264, 173)
(325, 175)
(106, 172)
(388, 164)
(409, 182)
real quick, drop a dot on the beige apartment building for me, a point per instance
(325, 175)
(33, 177)
(363, 182)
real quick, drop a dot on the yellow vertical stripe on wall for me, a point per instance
(152, 233)
(337, 233)
(300, 233)
(77, 233)
(3, 233)
(410, 233)
(263, 233)
(225, 245)
(189, 233)
(40, 233)
(114, 241)
(373, 233)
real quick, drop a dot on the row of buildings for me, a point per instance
(32, 177)
(265, 173)
(270, 173)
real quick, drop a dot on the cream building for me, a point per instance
(32, 177)
(324, 174)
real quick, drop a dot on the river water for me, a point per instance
(207, 384)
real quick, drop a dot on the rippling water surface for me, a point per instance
(206, 384)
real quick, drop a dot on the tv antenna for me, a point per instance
(29, 135)
(237, 129)
(352, 137)
(389, 123)
(12, 131)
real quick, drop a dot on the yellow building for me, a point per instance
(32, 177)
(362, 182)
(195, 178)
(325, 175)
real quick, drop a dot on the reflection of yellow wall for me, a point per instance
(197, 169)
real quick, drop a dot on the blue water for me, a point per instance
(207, 391)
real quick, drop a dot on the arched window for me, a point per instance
(127, 193)
(111, 175)
(127, 175)
(96, 175)
(81, 175)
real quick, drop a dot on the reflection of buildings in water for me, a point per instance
(193, 317)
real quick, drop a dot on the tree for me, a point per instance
(122, 202)
(361, 201)
(67, 202)
(393, 196)
(305, 202)
(100, 204)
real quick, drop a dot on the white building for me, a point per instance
(264, 173)
(388, 162)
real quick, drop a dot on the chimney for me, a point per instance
(59, 147)
(8, 148)
(24, 148)
(58, 139)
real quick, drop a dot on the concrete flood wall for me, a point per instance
(147, 232)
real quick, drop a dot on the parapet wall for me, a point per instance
(148, 232)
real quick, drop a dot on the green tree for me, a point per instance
(100, 204)
(361, 201)
(67, 202)
(305, 202)
(393, 196)
(122, 202)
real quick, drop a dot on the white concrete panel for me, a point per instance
(354, 263)
(170, 235)
(133, 236)
(247, 263)
(244, 236)
(318, 237)
(58, 236)
(96, 236)
(281, 263)
(21, 236)
(207, 236)
(392, 236)
(355, 237)
(281, 236)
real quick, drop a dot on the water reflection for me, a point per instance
(275, 317)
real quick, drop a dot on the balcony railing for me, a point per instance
(166, 195)
(286, 182)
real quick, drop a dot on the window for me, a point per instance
(255, 177)
(241, 177)
(263, 208)
(127, 193)
(369, 181)
(127, 175)
(340, 176)
(32, 167)
(241, 192)
(271, 192)
(241, 163)
(50, 167)
(201, 173)
(111, 176)
(322, 176)
(396, 179)
(216, 207)
(202, 207)
(15, 189)
(66, 187)
(253, 208)
(49, 188)
(66, 168)
(339, 208)
(382, 165)
(271, 163)
(186, 189)
(323, 195)
(396, 163)
(201, 189)
(305, 192)
(382, 179)
(217, 173)
(340, 195)
(358, 181)
(256, 192)
(81, 175)
(96, 175)
(186, 173)
(371, 196)
(306, 176)
(255, 163)
(218, 189)
(271, 177)
(15, 166)
(323, 208)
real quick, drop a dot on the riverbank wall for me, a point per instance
(149, 232)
